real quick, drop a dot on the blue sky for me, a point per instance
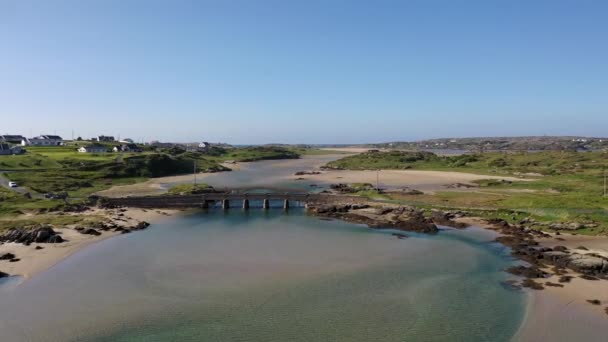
(304, 71)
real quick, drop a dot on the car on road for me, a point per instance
(13, 184)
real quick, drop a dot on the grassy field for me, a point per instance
(61, 169)
(564, 186)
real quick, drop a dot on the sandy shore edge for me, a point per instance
(33, 261)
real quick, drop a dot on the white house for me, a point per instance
(127, 141)
(43, 140)
(93, 148)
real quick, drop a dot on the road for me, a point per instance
(4, 183)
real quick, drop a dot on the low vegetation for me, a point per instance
(64, 171)
(190, 189)
(559, 186)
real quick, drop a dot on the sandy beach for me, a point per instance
(564, 313)
(426, 181)
(33, 261)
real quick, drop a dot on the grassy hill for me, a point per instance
(561, 186)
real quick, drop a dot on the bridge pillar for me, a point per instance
(225, 204)
(245, 204)
(266, 204)
(286, 204)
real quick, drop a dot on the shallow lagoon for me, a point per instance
(270, 276)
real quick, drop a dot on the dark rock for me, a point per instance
(594, 301)
(125, 231)
(560, 248)
(446, 219)
(529, 283)
(528, 272)
(588, 277)
(3, 275)
(56, 239)
(42, 234)
(14, 260)
(90, 231)
(400, 236)
(39, 247)
(565, 279)
(583, 248)
(7, 256)
(141, 225)
(553, 284)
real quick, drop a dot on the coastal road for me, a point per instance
(4, 183)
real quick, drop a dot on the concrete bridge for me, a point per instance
(227, 200)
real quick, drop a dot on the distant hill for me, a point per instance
(532, 143)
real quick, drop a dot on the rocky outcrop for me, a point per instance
(140, 225)
(3, 275)
(402, 218)
(525, 247)
(42, 234)
(446, 218)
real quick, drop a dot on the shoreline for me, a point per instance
(40, 257)
(553, 309)
(554, 313)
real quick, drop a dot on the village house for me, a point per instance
(127, 148)
(103, 138)
(43, 140)
(127, 141)
(6, 149)
(11, 139)
(93, 148)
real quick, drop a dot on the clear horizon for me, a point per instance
(314, 72)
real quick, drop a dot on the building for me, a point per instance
(93, 148)
(127, 148)
(43, 140)
(6, 149)
(103, 138)
(127, 141)
(11, 139)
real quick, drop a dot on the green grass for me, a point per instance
(61, 169)
(315, 151)
(562, 186)
(543, 163)
(183, 189)
(256, 153)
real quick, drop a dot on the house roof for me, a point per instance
(53, 137)
(94, 146)
(11, 137)
(4, 147)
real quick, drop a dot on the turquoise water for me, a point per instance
(269, 276)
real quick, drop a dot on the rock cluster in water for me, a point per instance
(404, 218)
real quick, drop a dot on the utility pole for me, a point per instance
(194, 172)
(605, 193)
